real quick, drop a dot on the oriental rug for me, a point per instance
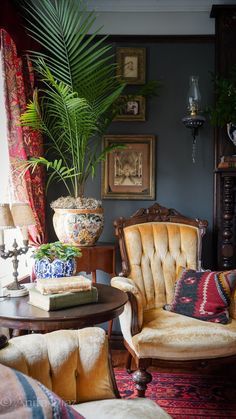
(187, 396)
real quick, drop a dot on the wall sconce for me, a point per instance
(193, 120)
(20, 215)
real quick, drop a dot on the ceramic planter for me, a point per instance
(80, 227)
(58, 268)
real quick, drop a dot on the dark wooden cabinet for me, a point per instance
(224, 179)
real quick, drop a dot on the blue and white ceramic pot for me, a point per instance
(56, 269)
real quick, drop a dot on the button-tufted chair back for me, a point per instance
(155, 243)
(156, 251)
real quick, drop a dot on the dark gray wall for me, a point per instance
(180, 184)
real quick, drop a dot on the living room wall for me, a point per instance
(180, 183)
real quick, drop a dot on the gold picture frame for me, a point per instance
(129, 173)
(132, 109)
(131, 65)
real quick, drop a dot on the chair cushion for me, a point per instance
(122, 409)
(204, 295)
(168, 335)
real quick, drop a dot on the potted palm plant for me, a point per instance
(72, 109)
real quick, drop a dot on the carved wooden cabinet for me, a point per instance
(224, 179)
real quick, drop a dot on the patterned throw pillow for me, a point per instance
(23, 397)
(204, 295)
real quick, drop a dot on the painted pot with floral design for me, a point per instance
(79, 226)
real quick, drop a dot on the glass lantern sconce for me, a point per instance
(193, 119)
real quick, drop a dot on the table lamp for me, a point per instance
(19, 215)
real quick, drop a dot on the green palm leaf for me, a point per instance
(78, 89)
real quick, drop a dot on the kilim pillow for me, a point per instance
(204, 295)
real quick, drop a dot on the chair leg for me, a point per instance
(141, 378)
(128, 363)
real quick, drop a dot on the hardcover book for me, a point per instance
(52, 302)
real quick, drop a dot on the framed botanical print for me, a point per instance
(129, 173)
(131, 109)
(131, 65)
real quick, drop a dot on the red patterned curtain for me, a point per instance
(23, 143)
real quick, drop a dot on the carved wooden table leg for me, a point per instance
(227, 228)
(141, 378)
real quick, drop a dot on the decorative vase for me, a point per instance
(231, 131)
(57, 268)
(80, 227)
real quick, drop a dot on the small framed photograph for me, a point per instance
(129, 173)
(131, 66)
(131, 109)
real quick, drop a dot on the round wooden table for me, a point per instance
(16, 313)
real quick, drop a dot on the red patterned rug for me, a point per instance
(187, 396)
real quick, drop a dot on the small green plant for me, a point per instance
(56, 250)
(224, 109)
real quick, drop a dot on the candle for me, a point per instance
(1, 237)
(24, 231)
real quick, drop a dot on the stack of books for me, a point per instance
(59, 293)
(227, 162)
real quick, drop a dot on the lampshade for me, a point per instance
(22, 214)
(6, 219)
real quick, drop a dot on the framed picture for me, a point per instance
(131, 65)
(132, 109)
(129, 173)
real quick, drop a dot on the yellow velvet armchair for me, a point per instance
(75, 365)
(154, 244)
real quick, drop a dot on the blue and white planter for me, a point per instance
(56, 269)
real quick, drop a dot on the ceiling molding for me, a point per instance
(154, 5)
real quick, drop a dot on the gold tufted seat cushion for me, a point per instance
(167, 335)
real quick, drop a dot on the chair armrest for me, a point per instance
(135, 300)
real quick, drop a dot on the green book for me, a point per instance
(53, 302)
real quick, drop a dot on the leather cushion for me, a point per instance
(204, 295)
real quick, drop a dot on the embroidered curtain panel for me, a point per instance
(23, 143)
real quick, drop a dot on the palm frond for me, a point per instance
(78, 88)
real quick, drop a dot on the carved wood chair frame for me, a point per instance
(158, 213)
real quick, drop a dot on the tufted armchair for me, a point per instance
(74, 364)
(154, 244)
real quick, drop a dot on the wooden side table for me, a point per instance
(100, 256)
(17, 314)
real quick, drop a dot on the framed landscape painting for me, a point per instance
(129, 173)
(131, 109)
(131, 65)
